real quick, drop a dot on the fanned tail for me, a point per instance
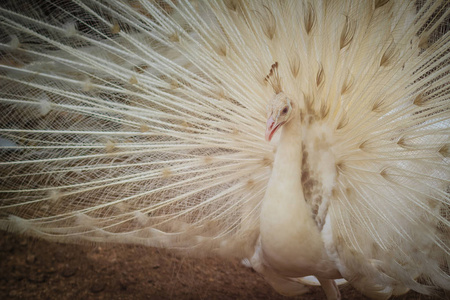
(123, 130)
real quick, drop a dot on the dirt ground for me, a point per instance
(36, 269)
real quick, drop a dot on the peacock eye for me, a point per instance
(285, 110)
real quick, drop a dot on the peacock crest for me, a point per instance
(274, 79)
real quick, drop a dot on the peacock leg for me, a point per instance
(330, 288)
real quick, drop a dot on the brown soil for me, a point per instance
(36, 269)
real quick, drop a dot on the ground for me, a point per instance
(36, 269)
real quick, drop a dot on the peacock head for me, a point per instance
(279, 112)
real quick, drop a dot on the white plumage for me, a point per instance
(143, 122)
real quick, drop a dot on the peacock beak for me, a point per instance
(269, 128)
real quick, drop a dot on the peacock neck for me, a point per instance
(289, 150)
(288, 158)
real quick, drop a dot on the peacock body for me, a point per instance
(143, 122)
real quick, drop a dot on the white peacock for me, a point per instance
(143, 122)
